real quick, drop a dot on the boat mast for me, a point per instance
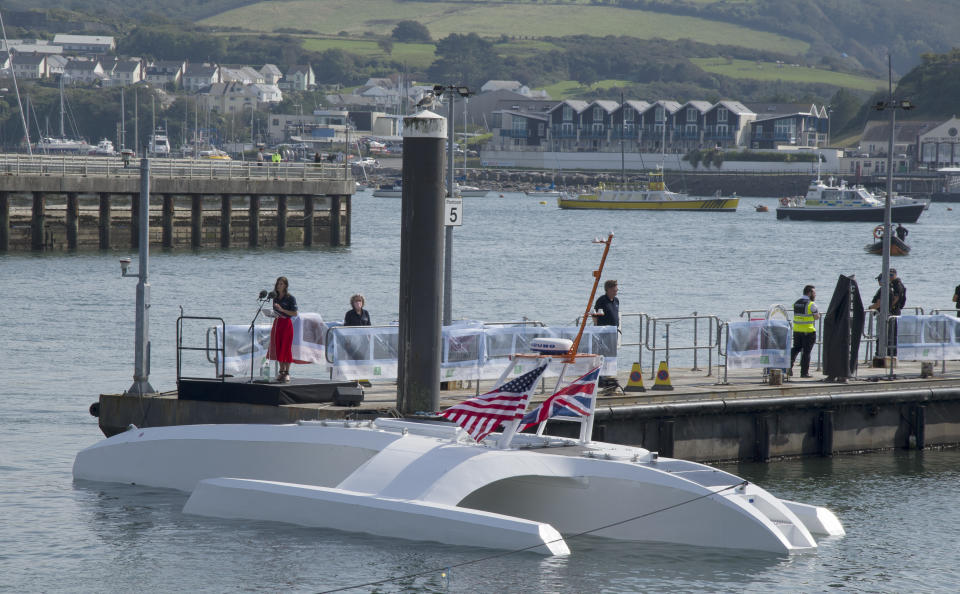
(623, 173)
(13, 75)
(62, 134)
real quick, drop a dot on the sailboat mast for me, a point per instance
(62, 134)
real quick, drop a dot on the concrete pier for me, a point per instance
(64, 203)
(746, 419)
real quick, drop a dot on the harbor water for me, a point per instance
(68, 336)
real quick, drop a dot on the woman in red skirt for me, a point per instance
(281, 335)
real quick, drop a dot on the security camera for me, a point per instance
(124, 264)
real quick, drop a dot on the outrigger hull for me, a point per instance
(906, 213)
(428, 481)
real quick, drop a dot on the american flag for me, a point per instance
(481, 415)
(574, 400)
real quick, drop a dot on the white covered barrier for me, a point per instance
(928, 338)
(471, 350)
(309, 331)
(759, 344)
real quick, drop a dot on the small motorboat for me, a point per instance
(897, 246)
(761, 208)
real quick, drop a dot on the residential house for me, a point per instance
(127, 72)
(271, 74)
(596, 123)
(31, 46)
(480, 108)
(245, 74)
(30, 66)
(727, 124)
(565, 124)
(788, 124)
(657, 125)
(86, 72)
(690, 123)
(516, 130)
(85, 44)
(940, 146)
(56, 65)
(265, 93)
(165, 72)
(200, 76)
(626, 123)
(505, 85)
(299, 77)
(227, 97)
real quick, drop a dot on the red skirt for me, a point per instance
(281, 340)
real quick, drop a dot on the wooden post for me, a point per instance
(37, 221)
(104, 221)
(253, 238)
(349, 220)
(73, 220)
(167, 217)
(135, 221)
(196, 220)
(308, 220)
(226, 212)
(4, 221)
(281, 220)
(335, 221)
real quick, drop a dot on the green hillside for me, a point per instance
(772, 71)
(494, 19)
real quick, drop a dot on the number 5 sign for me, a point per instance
(453, 213)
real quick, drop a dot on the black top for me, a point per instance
(610, 309)
(288, 302)
(352, 318)
(898, 296)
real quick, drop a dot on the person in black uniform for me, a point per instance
(901, 232)
(357, 316)
(898, 298)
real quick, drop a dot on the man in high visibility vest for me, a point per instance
(805, 315)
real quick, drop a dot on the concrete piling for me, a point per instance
(421, 262)
(37, 221)
(226, 213)
(196, 221)
(105, 216)
(308, 221)
(281, 220)
(253, 232)
(73, 220)
(4, 221)
(166, 221)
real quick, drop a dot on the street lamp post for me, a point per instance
(452, 91)
(891, 105)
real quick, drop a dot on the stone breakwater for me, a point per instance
(694, 183)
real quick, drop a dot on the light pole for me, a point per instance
(452, 91)
(891, 105)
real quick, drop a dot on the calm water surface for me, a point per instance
(68, 336)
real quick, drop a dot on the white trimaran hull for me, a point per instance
(425, 481)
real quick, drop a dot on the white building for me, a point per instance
(85, 44)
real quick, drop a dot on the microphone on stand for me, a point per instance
(272, 295)
(263, 294)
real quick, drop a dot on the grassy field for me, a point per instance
(571, 88)
(417, 55)
(786, 72)
(524, 21)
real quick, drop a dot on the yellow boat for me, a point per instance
(655, 196)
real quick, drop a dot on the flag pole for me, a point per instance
(572, 353)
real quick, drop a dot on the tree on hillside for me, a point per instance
(386, 45)
(465, 60)
(411, 31)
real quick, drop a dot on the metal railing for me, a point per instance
(218, 348)
(162, 167)
(652, 333)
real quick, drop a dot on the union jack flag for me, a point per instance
(481, 415)
(573, 400)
